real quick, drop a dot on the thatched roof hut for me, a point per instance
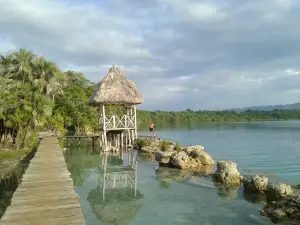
(115, 89)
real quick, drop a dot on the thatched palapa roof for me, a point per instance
(115, 89)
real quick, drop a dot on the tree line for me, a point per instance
(216, 116)
(37, 95)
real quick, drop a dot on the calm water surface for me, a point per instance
(169, 196)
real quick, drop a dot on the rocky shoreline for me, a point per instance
(282, 205)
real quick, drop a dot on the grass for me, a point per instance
(177, 147)
(165, 145)
(142, 143)
(14, 154)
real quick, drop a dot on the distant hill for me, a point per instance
(270, 107)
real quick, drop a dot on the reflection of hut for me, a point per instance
(115, 200)
(116, 97)
(118, 176)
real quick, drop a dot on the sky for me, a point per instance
(197, 54)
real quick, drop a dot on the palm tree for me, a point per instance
(26, 81)
(23, 65)
(48, 77)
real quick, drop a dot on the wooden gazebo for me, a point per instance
(116, 97)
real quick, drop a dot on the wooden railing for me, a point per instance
(115, 122)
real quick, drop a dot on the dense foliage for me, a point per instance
(36, 95)
(189, 116)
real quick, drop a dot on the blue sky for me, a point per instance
(198, 54)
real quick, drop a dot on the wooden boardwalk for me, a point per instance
(46, 195)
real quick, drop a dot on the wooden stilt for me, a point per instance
(104, 127)
(129, 137)
(122, 140)
(135, 126)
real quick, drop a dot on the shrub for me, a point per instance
(142, 143)
(177, 147)
(164, 145)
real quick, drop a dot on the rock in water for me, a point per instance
(151, 148)
(256, 184)
(284, 211)
(181, 160)
(204, 157)
(164, 158)
(278, 191)
(194, 159)
(188, 149)
(227, 173)
(154, 146)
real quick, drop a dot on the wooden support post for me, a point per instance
(135, 126)
(113, 140)
(122, 140)
(104, 126)
(129, 137)
(132, 136)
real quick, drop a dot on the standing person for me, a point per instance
(151, 129)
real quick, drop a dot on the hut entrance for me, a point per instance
(116, 97)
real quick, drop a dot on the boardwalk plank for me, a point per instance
(46, 194)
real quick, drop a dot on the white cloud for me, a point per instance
(285, 4)
(205, 11)
(292, 72)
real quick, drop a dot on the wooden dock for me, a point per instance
(46, 195)
(149, 137)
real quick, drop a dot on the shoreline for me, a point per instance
(12, 168)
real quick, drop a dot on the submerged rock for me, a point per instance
(227, 173)
(278, 191)
(285, 211)
(256, 184)
(257, 198)
(171, 174)
(164, 158)
(227, 191)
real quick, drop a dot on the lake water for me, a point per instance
(174, 197)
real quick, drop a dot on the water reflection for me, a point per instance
(256, 198)
(116, 198)
(10, 182)
(200, 178)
